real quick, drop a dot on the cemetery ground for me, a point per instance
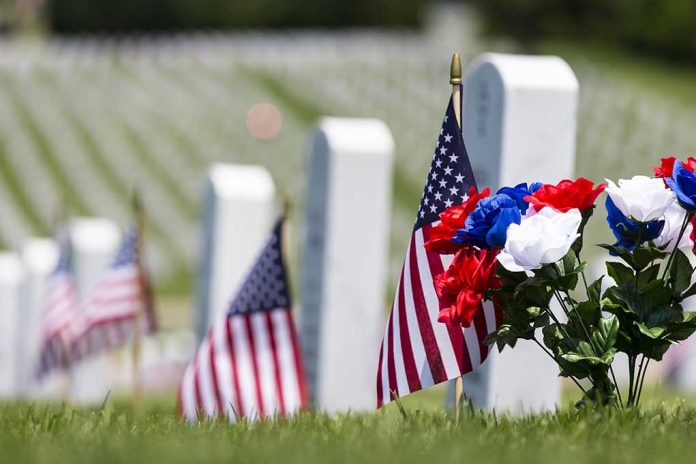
(663, 432)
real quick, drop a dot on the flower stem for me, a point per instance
(575, 381)
(687, 218)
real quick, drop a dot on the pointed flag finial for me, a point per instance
(456, 69)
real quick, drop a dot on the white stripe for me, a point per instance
(188, 397)
(205, 379)
(386, 393)
(421, 361)
(264, 361)
(286, 361)
(444, 343)
(245, 369)
(401, 381)
(223, 368)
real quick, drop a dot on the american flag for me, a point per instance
(417, 350)
(117, 306)
(249, 364)
(61, 306)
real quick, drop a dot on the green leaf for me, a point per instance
(620, 272)
(690, 292)
(604, 337)
(680, 273)
(594, 290)
(654, 332)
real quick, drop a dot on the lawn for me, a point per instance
(663, 432)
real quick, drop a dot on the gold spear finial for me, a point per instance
(456, 69)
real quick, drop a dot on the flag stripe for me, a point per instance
(214, 375)
(271, 330)
(254, 365)
(239, 405)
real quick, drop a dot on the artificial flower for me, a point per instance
(486, 226)
(566, 195)
(641, 198)
(540, 239)
(628, 232)
(451, 219)
(683, 184)
(667, 166)
(520, 193)
(462, 287)
(674, 220)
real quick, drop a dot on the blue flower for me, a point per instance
(683, 184)
(519, 191)
(487, 224)
(630, 232)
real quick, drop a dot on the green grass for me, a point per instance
(661, 434)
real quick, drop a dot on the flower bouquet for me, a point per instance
(521, 249)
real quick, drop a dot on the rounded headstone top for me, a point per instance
(239, 180)
(11, 270)
(357, 135)
(39, 254)
(544, 71)
(94, 234)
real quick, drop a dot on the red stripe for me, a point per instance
(299, 367)
(432, 350)
(180, 398)
(481, 333)
(197, 386)
(276, 364)
(233, 362)
(391, 370)
(412, 376)
(254, 363)
(459, 347)
(380, 393)
(97, 303)
(213, 373)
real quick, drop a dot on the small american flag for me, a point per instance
(417, 350)
(118, 302)
(249, 365)
(61, 306)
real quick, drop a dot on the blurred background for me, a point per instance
(97, 96)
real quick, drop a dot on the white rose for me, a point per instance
(641, 198)
(540, 239)
(674, 219)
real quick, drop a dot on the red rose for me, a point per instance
(566, 195)
(463, 285)
(693, 233)
(452, 219)
(667, 164)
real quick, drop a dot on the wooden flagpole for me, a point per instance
(456, 81)
(139, 317)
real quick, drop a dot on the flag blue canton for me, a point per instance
(129, 249)
(450, 175)
(265, 287)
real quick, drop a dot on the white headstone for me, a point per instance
(11, 277)
(39, 257)
(238, 216)
(519, 123)
(95, 242)
(345, 260)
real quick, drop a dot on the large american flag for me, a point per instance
(249, 364)
(119, 304)
(61, 306)
(417, 350)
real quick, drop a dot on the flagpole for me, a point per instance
(456, 81)
(140, 313)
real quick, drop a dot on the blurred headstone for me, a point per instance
(519, 125)
(238, 215)
(95, 242)
(39, 257)
(11, 279)
(345, 260)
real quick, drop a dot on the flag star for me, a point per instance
(443, 184)
(422, 214)
(442, 131)
(448, 171)
(443, 151)
(426, 202)
(446, 118)
(454, 190)
(448, 203)
(430, 189)
(464, 198)
(459, 178)
(448, 138)
(434, 176)
(438, 195)
(453, 158)
(433, 209)
(438, 163)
